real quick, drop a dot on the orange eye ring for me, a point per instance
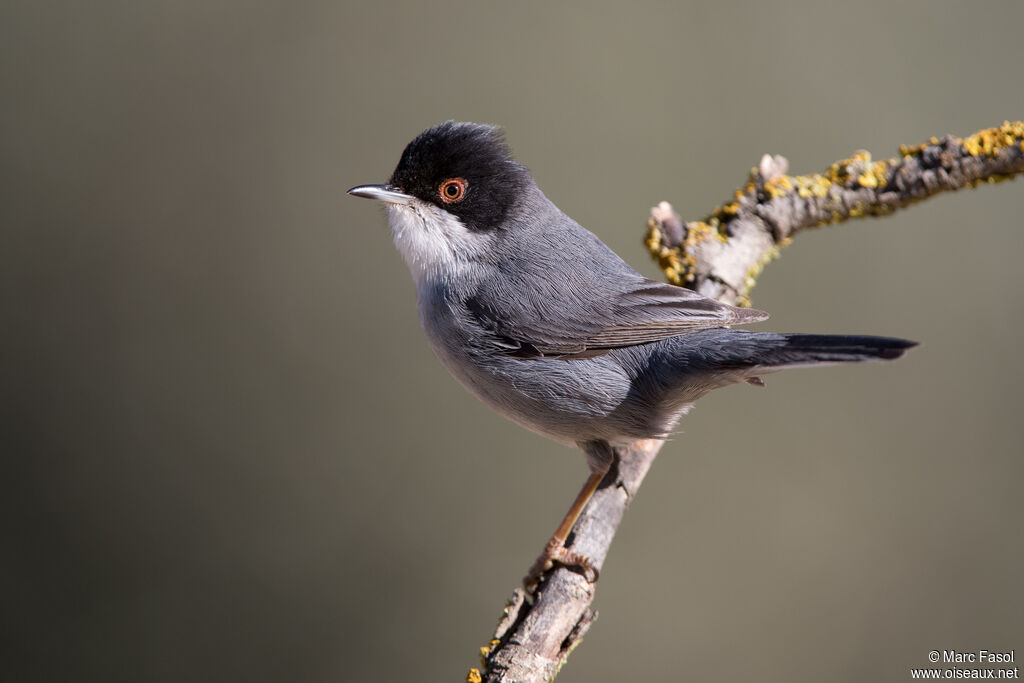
(452, 190)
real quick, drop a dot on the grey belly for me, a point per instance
(568, 400)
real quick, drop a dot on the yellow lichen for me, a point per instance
(731, 209)
(485, 651)
(653, 239)
(754, 272)
(911, 150)
(993, 140)
(867, 180)
(842, 172)
(813, 185)
(874, 175)
(698, 231)
(859, 170)
(474, 676)
(777, 187)
(668, 258)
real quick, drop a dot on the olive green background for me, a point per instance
(230, 456)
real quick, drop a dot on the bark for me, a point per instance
(722, 255)
(532, 641)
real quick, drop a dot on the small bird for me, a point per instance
(541, 321)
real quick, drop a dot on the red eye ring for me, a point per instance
(452, 190)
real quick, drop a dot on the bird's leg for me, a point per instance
(555, 550)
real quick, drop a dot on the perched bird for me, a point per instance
(541, 321)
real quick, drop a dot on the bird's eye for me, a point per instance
(452, 190)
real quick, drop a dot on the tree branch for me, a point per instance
(533, 641)
(721, 257)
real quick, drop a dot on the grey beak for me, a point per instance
(385, 193)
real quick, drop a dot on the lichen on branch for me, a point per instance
(722, 255)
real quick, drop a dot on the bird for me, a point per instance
(535, 316)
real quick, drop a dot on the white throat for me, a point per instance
(434, 243)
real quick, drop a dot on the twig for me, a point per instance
(533, 641)
(721, 257)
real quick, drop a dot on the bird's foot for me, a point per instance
(556, 553)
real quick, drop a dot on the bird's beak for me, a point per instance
(385, 193)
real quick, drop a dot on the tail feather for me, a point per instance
(753, 352)
(799, 349)
(773, 352)
(691, 365)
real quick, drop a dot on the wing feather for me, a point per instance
(576, 327)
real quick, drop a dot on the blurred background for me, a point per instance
(229, 454)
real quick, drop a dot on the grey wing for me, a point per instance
(574, 324)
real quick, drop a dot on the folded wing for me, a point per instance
(577, 324)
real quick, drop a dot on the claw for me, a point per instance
(556, 553)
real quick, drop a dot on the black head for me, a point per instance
(464, 168)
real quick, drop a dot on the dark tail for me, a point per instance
(799, 349)
(753, 352)
(690, 365)
(746, 359)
